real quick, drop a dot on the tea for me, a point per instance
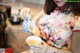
(33, 42)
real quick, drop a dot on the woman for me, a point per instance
(57, 21)
(57, 24)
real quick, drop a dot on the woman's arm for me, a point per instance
(36, 18)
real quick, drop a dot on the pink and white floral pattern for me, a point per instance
(56, 27)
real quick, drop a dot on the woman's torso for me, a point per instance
(56, 27)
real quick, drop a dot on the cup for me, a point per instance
(35, 44)
(33, 41)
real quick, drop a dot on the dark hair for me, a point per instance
(73, 6)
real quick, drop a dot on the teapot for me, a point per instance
(28, 25)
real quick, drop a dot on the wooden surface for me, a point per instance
(75, 46)
(17, 37)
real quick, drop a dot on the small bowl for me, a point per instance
(33, 41)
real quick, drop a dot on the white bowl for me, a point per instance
(33, 39)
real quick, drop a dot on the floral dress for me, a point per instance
(57, 27)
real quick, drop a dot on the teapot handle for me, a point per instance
(32, 23)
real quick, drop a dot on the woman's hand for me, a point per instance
(50, 43)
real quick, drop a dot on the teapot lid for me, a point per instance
(26, 19)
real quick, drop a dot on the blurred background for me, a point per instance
(35, 5)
